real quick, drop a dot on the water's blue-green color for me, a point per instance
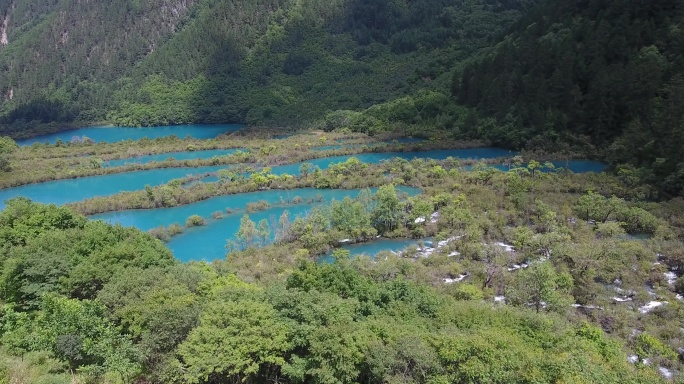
(146, 219)
(372, 248)
(576, 166)
(406, 140)
(581, 166)
(186, 155)
(331, 147)
(114, 134)
(374, 158)
(403, 140)
(65, 191)
(70, 190)
(208, 242)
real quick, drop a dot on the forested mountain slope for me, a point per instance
(260, 62)
(68, 51)
(601, 73)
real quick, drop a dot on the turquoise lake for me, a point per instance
(208, 242)
(576, 166)
(70, 190)
(372, 248)
(331, 147)
(403, 140)
(185, 155)
(375, 158)
(114, 134)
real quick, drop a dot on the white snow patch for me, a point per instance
(665, 372)
(506, 247)
(499, 299)
(621, 299)
(426, 252)
(590, 306)
(671, 277)
(515, 267)
(651, 306)
(443, 243)
(456, 280)
(623, 292)
(632, 358)
(419, 220)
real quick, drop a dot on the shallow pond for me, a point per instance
(208, 242)
(332, 147)
(71, 190)
(375, 158)
(372, 248)
(576, 166)
(403, 140)
(114, 134)
(185, 155)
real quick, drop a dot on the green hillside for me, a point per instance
(263, 62)
(599, 74)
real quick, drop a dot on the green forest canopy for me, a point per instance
(119, 307)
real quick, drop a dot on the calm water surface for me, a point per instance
(185, 155)
(114, 134)
(375, 158)
(576, 166)
(403, 140)
(70, 190)
(208, 242)
(372, 248)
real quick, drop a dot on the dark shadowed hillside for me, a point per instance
(597, 73)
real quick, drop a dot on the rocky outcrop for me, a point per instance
(3, 30)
